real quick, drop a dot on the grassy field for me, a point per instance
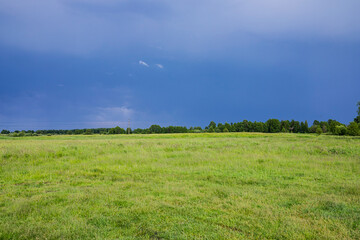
(183, 186)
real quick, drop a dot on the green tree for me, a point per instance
(155, 129)
(286, 125)
(273, 125)
(353, 129)
(211, 129)
(302, 126)
(332, 125)
(5, 131)
(306, 127)
(258, 126)
(340, 130)
(324, 126)
(357, 119)
(313, 128)
(117, 130)
(78, 131)
(221, 127)
(319, 131)
(294, 126)
(88, 132)
(212, 124)
(316, 122)
(226, 130)
(227, 126)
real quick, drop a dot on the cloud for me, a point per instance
(87, 26)
(160, 66)
(107, 114)
(143, 63)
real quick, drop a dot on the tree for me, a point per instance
(117, 130)
(273, 125)
(313, 128)
(212, 124)
(294, 126)
(357, 119)
(211, 129)
(332, 125)
(78, 131)
(306, 127)
(226, 130)
(258, 126)
(5, 131)
(88, 132)
(319, 131)
(353, 129)
(246, 126)
(316, 122)
(138, 131)
(324, 126)
(221, 127)
(155, 129)
(286, 125)
(340, 130)
(227, 126)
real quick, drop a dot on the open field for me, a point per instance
(183, 186)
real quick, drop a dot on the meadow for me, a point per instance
(180, 186)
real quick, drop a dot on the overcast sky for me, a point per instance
(97, 63)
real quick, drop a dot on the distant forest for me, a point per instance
(270, 126)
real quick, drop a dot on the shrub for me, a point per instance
(319, 130)
(340, 130)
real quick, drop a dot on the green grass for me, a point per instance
(181, 186)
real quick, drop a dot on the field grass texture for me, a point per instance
(180, 186)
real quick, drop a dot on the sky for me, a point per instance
(68, 64)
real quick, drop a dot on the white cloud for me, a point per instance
(160, 66)
(143, 63)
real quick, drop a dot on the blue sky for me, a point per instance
(90, 63)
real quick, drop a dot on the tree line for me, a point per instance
(270, 126)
